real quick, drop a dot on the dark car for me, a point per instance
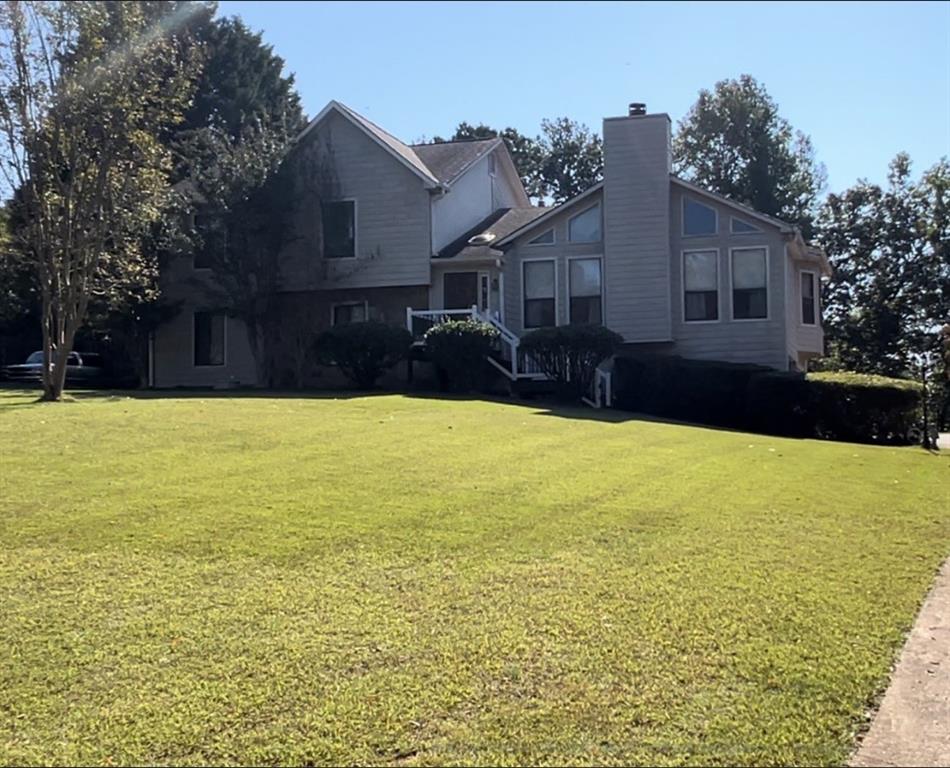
(83, 369)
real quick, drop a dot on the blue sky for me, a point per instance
(865, 80)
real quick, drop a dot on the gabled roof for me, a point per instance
(784, 226)
(448, 160)
(402, 152)
(500, 223)
(549, 213)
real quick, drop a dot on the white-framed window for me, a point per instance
(701, 286)
(699, 219)
(349, 312)
(809, 285)
(539, 292)
(740, 227)
(585, 227)
(750, 283)
(545, 238)
(338, 220)
(209, 338)
(585, 289)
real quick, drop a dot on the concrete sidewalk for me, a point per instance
(912, 726)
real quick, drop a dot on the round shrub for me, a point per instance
(364, 351)
(570, 354)
(459, 348)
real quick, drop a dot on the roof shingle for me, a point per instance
(446, 160)
(501, 223)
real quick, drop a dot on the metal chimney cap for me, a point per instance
(637, 109)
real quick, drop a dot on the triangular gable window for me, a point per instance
(545, 238)
(698, 219)
(739, 227)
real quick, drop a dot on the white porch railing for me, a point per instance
(511, 361)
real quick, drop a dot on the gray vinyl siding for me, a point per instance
(561, 251)
(393, 230)
(741, 341)
(636, 236)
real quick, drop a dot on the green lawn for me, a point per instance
(409, 581)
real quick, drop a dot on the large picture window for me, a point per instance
(539, 292)
(586, 291)
(339, 229)
(749, 284)
(209, 338)
(585, 227)
(808, 298)
(700, 286)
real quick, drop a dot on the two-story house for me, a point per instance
(402, 233)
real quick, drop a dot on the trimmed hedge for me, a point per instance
(363, 351)
(570, 354)
(835, 406)
(863, 408)
(692, 390)
(459, 348)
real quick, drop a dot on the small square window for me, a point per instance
(344, 314)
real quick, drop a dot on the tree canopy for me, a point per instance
(890, 250)
(563, 161)
(734, 141)
(87, 91)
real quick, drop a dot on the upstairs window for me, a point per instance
(539, 305)
(209, 338)
(585, 291)
(698, 219)
(339, 229)
(545, 238)
(749, 284)
(585, 227)
(808, 298)
(739, 227)
(700, 286)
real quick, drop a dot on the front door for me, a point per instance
(459, 290)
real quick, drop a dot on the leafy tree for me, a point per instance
(86, 92)
(573, 158)
(232, 146)
(734, 141)
(564, 161)
(890, 251)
